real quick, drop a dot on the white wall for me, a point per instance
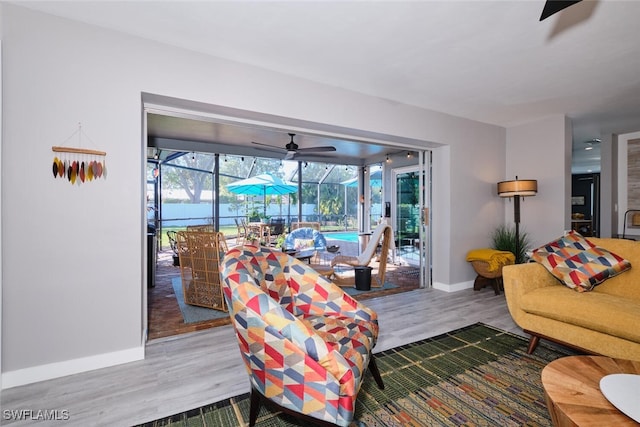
(465, 206)
(73, 257)
(541, 150)
(621, 176)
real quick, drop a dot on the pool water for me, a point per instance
(349, 236)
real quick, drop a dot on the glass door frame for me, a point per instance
(423, 170)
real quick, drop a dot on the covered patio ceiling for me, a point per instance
(167, 132)
(192, 126)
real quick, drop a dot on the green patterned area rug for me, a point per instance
(474, 376)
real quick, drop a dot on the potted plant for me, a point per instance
(503, 238)
(253, 238)
(254, 215)
(280, 241)
(264, 218)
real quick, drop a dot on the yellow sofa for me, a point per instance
(603, 321)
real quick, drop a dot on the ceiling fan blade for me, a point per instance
(290, 155)
(555, 6)
(280, 149)
(316, 149)
(270, 150)
(313, 157)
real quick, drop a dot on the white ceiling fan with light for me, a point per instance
(292, 151)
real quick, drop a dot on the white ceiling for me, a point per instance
(491, 61)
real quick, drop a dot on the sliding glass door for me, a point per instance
(411, 198)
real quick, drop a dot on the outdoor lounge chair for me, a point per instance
(305, 239)
(384, 233)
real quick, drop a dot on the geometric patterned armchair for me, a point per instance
(306, 344)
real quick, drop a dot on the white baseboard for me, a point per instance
(455, 287)
(69, 367)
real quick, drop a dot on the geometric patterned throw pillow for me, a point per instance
(578, 263)
(302, 244)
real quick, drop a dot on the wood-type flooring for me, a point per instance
(189, 370)
(165, 318)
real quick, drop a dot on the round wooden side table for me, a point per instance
(572, 391)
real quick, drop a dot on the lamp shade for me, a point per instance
(518, 187)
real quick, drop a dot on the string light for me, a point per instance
(388, 159)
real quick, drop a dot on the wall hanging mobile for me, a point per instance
(78, 165)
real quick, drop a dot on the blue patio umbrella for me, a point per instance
(262, 185)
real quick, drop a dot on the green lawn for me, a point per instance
(228, 230)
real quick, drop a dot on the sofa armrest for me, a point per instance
(520, 279)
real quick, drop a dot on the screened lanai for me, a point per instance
(191, 188)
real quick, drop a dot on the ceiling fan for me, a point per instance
(292, 150)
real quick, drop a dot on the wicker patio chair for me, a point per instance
(208, 228)
(200, 256)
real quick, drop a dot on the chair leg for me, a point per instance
(496, 286)
(254, 407)
(373, 368)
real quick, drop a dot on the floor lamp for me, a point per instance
(517, 188)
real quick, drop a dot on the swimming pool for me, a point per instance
(348, 236)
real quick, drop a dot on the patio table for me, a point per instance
(262, 229)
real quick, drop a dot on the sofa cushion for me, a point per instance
(608, 314)
(578, 263)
